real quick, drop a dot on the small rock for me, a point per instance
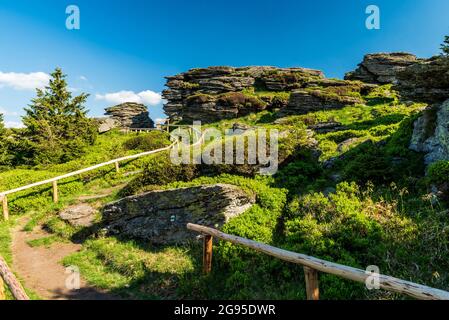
(80, 215)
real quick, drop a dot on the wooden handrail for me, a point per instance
(53, 181)
(11, 281)
(388, 283)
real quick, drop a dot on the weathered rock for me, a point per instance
(161, 216)
(80, 215)
(130, 115)
(106, 124)
(214, 93)
(382, 68)
(431, 133)
(425, 81)
(305, 101)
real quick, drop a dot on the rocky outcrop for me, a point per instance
(79, 215)
(161, 217)
(216, 93)
(305, 101)
(106, 124)
(130, 115)
(425, 81)
(431, 133)
(382, 68)
(419, 80)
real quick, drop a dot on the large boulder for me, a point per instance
(216, 93)
(305, 101)
(425, 81)
(211, 94)
(161, 217)
(431, 133)
(106, 124)
(130, 115)
(382, 68)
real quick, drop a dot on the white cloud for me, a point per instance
(147, 97)
(24, 81)
(8, 113)
(13, 124)
(160, 120)
(83, 78)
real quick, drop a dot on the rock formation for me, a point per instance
(161, 216)
(216, 93)
(419, 80)
(130, 115)
(431, 133)
(425, 80)
(382, 68)
(106, 124)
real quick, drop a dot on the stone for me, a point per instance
(425, 81)
(106, 124)
(431, 133)
(80, 215)
(305, 101)
(382, 68)
(160, 217)
(130, 115)
(198, 93)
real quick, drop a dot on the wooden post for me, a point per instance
(207, 254)
(55, 192)
(168, 125)
(13, 284)
(117, 167)
(2, 290)
(312, 289)
(5, 208)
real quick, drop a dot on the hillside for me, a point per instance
(361, 180)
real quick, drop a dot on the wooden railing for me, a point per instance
(8, 278)
(314, 265)
(115, 162)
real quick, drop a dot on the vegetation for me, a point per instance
(57, 128)
(445, 46)
(356, 195)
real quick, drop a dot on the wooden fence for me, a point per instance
(115, 162)
(314, 265)
(8, 278)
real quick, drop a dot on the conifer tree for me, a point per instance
(56, 125)
(445, 47)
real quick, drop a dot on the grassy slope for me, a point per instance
(37, 202)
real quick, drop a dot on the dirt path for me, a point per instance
(41, 270)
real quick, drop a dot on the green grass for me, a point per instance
(378, 211)
(45, 241)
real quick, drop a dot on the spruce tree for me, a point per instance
(445, 46)
(56, 125)
(3, 145)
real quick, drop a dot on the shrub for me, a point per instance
(147, 142)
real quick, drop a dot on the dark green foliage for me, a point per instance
(445, 46)
(146, 142)
(159, 170)
(3, 141)
(57, 128)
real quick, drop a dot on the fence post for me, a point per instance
(55, 192)
(312, 289)
(207, 254)
(2, 289)
(117, 167)
(5, 207)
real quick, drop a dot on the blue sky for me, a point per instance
(125, 48)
